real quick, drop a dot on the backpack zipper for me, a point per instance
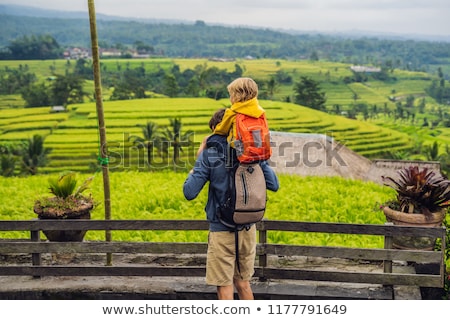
(244, 188)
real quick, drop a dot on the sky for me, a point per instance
(410, 17)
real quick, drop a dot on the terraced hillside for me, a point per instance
(74, 140)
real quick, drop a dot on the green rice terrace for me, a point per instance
(73, 135)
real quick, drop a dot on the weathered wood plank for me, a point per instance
(104, 247)
(353, 277)
(271, 273)
(68, 271)
(354, 253)
(347, 228)
(81, 224)
(342, 228)
(198, 248)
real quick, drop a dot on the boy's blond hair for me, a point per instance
(242, 89)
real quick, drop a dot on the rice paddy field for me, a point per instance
(158, 195)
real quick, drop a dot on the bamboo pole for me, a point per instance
(101, 121)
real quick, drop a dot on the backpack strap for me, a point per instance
(236, 248)
(236, 244)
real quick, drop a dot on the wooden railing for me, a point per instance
(36, 247)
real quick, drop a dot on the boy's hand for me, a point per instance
(202, 146)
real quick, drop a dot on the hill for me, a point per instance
(32, 11)
(189, 40)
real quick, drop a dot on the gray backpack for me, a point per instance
(246, 196)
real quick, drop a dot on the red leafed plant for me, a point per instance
(419, 191)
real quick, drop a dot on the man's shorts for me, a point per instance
(221, 267)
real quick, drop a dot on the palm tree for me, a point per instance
(272, 87)
(176, 138)
(432, 152)
(149, 139)
(8, 159)
(445, 161)
(34, 154)
(7, 165)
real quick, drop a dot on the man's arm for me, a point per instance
(272, 182)
(196, 179)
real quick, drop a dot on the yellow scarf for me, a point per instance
(250, 107)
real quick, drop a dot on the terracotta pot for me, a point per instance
(414, 219)
(67, 235)
(81, 211)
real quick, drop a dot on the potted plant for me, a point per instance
(67, 202)
(423, 198)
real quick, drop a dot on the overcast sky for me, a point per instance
(419, 17)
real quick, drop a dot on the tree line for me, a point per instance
(201, 40)
(138, 82)
(438, 90)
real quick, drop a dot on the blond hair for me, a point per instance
(242, 89)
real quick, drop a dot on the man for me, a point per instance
(221, 268)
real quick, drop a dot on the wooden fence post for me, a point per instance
(262, 243)
(36, 257)
(388, 240)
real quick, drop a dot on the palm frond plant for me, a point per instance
(68, 202)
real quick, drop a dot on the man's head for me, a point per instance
(242, 89)
(216, 118)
